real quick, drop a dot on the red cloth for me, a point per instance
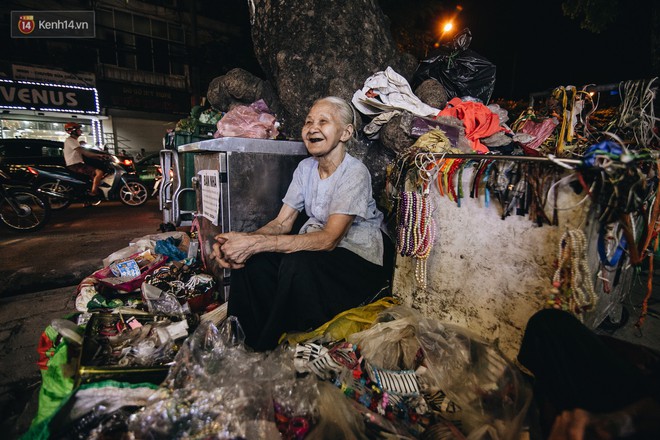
(45, 348)
(478, 120)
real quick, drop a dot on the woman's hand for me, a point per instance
(219, 255)
(579, 424)
(232, 249)
(570, 425)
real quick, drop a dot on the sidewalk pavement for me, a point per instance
(22, 320)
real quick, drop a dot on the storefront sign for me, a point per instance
(144, 98)
(52, 76)
(210, 182)
(27, 95)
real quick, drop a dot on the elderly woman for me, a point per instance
(341, 256)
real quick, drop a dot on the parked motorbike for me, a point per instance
(21, 208)
(63, 186)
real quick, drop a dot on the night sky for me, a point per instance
(536, 48)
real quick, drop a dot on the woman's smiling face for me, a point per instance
(323, 129)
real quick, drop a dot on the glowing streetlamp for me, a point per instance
(446, 28)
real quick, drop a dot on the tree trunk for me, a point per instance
(313, 48)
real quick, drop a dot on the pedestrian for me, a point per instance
(341, 256)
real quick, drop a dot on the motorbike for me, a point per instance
(159, 180)
(21, 208)
(63, 186)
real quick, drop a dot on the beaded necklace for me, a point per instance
(572, 286)
(416, 231)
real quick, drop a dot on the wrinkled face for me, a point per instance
(323, 130)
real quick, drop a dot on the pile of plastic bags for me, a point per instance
(404, 376)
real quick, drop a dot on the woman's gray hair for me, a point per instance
(347, 114)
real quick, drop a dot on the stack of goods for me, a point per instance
(404, 376)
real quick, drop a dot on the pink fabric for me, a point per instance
(478, 120)
(540, 130)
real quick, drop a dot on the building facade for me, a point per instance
(147, 65)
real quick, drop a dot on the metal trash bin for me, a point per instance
(252, 178)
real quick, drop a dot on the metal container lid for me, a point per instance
(245, 145)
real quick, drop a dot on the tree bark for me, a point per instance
(314, 48)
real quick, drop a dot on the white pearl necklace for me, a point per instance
(416, 231)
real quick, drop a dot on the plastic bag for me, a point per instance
(253, 121)
(169, 248)
(460, 70)
(147, 242)
(390, 345)
(460, 376)
(217, 386)
(338, 418)
(56, 377)
(344, 323)
(99, 402)
(491, 391)
(160, 302)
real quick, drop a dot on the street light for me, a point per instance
(448, 25)
(445, 29)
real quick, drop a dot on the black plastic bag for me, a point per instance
(461, 71)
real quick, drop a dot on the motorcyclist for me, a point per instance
(73, 156)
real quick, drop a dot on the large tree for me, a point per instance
(313, 48)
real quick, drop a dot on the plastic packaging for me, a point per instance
(490, 390)
(93, 410)
(390, 345)
(338, 418)
(345, 323)
(217, 387)
(148, 344)
(147, 263)
(459, 375)
(160, 302)
(253, 121)
(404, 367)
(147, 242)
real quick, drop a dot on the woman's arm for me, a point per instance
(236, 247)
(282, 224)
(640, 417)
